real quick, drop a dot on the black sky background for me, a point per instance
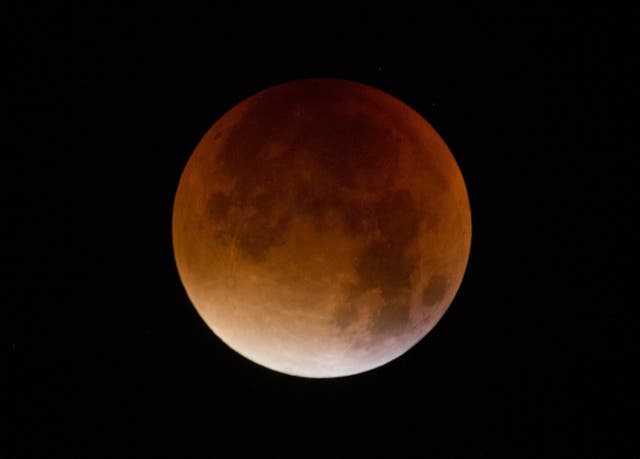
(107, 357)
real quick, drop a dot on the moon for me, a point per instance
(321, 228)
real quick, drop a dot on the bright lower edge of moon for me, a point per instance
(321, 228)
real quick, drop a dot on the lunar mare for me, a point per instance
(321, 228)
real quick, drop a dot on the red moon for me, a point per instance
(321, 228)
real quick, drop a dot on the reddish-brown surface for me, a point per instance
(321, 228)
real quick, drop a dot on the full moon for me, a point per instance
(321, 228)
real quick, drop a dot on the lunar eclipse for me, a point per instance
(321, 228)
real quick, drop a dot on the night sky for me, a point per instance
(108, 358)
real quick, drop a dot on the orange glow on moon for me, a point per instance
(321, 228)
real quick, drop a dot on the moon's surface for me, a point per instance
(321, 228)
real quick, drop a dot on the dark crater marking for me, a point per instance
(383, 263)
(434, 291)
